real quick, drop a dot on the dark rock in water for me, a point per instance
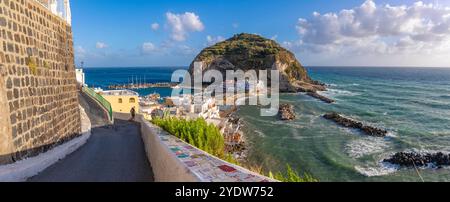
(346, 122)
(412, 159)
(287, 112)
(321, 97)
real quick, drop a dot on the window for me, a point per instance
(132, 100)
(120, 100)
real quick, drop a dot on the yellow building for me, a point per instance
(122, 100)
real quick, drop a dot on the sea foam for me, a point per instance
(336, 92)
(380, 170)
(367, 146)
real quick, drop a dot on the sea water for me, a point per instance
(413, 104)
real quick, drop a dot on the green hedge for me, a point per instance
(198, 133)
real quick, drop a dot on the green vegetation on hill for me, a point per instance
(253, 52)
(252, 45)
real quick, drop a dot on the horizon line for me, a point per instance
(307, 66)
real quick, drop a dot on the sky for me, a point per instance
(131, 33)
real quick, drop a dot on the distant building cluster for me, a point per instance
(188, 107)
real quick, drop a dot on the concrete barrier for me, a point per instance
(173, 160)
(165, 164)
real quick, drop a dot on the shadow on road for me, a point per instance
(112, 154)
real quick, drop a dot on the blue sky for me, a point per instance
(120, 33)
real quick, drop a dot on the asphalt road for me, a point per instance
(96, 114)
(112, 154)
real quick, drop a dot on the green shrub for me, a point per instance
(292, 176)
(198, 133)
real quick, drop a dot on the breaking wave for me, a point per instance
(380, 170)
(336, 92)
(367, 146)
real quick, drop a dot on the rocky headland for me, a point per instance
(253, 52)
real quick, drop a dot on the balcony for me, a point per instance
(60, 8)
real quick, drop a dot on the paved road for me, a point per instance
(112, 154)
(96, 114)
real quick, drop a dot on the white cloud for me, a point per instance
(101, 45)
(235, 25)
(167, 49)
(155, 26)
(148, 48)
(377, 29)
(182, 24)
(213, 40)
(185, 50)
(80, 52)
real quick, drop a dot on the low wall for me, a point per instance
(22, 170)
(173, 160)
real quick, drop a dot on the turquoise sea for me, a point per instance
(412, 103)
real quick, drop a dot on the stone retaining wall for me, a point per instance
(38, 87)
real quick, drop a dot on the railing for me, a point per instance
(101, 100)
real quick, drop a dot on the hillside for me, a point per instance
(250, 51)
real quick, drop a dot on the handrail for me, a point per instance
(100, 99)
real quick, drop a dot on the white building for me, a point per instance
(60, 8)
(80, 76)
(187, 106)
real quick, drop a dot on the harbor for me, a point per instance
(142, 86)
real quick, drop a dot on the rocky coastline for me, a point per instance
(413, 159)
(321, 97)
(350, 123)
(236, 144)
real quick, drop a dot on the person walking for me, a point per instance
(133, 113)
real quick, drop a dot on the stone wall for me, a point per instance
(38, 87)
(5, 125)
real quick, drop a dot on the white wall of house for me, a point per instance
(60, 8)
(80, 76)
